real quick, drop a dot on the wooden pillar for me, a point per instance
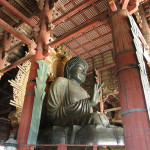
(26, 115)
(42, 41)
(135, 118)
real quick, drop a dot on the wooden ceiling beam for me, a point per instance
(17, 13)
(72, 11)
(98, 47)
(14, 32)
(101, 36)
(89, 24)
(72, 50)
(15, 64)
(125, 4)
(23, 6)
(9, 15)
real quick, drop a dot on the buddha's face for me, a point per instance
(78, 73)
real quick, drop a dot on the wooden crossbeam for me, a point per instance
(15, 32)
(15, 64)
(72, 11)
(95, 40)
(125, 4)
(17, 13)
(95, 21)
(22, 5)
(10, 15)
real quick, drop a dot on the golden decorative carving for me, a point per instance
(57, 60)
(19, 89)
(110, 83)
(19, 85)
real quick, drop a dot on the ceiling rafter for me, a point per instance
(94, 40)
(9, 15)
(15, 32)
(94, 5)
(17, 13)
(90, 23)
(84, 48)
(101, 47)
(72, 11)
(17, 63)
(72, 50)
(70, 18)
(76, 25)
(79, 11)
(23, 6)
(101, 34)
(98, 47)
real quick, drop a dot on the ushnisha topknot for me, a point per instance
(71, 63)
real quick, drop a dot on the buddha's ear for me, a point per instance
(67, 74)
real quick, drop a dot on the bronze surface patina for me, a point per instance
(69, 108)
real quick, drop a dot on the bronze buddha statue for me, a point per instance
(68, 103)
(69, 108)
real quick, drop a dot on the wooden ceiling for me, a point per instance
(82, 25)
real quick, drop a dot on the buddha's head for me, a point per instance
(76, 69)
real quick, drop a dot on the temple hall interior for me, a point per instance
(39, 37)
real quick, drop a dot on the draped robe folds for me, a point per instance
(68, 104)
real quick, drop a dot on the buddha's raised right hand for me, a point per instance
(95, 99)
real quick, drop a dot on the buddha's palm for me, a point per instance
(95, 99)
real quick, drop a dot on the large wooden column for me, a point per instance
(41, 52)
(135, 117)
(26, 115)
